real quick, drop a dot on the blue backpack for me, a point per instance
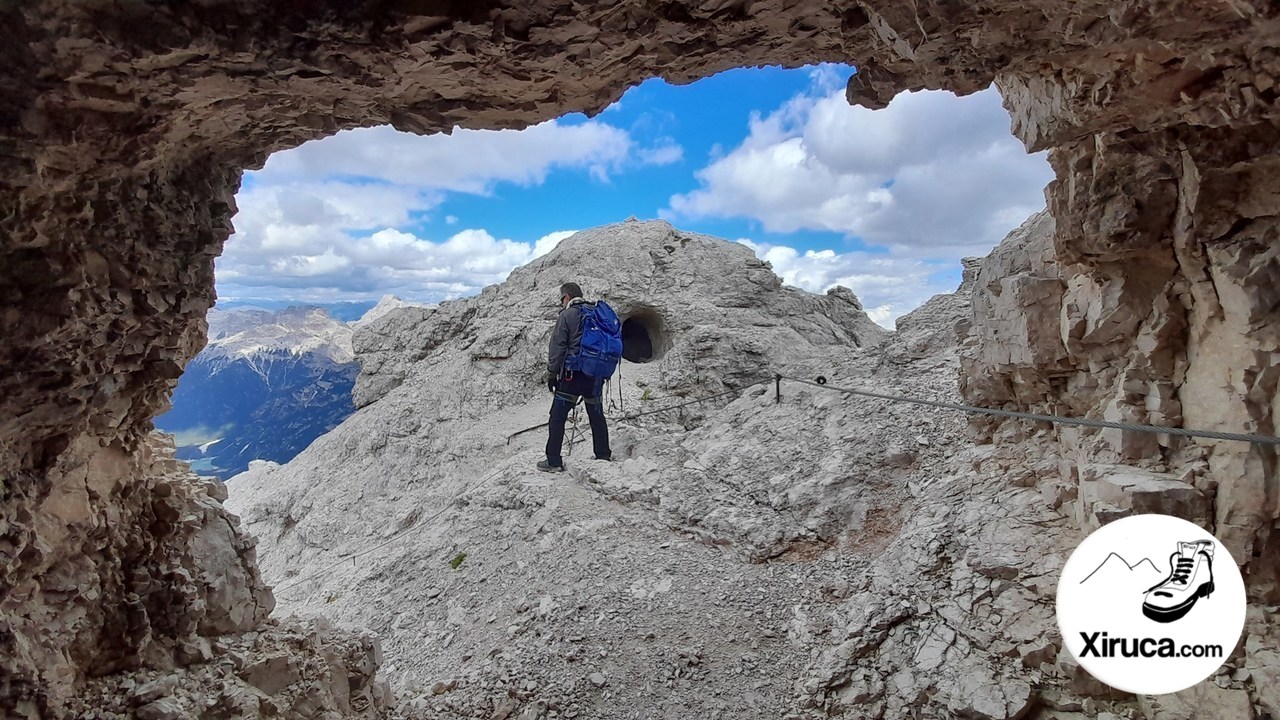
(601, 347)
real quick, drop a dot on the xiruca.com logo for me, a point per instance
(1151, 604)
(1095, 646)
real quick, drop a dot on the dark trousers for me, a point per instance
(576, 386)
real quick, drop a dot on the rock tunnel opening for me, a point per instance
(160, 138)
(644, 337)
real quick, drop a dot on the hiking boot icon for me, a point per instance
(1190, 578)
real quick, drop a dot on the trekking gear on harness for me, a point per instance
(600, 350)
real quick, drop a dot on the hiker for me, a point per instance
(575, 371)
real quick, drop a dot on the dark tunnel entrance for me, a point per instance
(643, 337)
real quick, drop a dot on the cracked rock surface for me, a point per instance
(141, 576)
(819, 556)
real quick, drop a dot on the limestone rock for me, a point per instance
(1135, 309)
(272, 674)
(1013, 342)
(679, 290)
(163, 709)
(1204, 700)
(1135, 491)
(731, 511)
(293, 669)
(1262, 658)
(190, 573)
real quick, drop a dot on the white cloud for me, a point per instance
(932, 172)
(548, 242)
(469, 161)
(667, 152)
(888, 284)
(280, 218)
(333, 218)
(339, 266)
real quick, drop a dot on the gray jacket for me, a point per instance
(566, 338)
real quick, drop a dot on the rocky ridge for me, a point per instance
(298, 330)
(818, 556)
(191, 591)
(386, 304)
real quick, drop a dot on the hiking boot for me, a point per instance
(1190, 578)
(545, 466)
(606, 458)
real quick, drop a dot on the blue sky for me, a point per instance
(885, 202)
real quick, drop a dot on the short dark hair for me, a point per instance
(570, 289)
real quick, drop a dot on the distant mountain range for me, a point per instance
(269, 382)
(340, 311)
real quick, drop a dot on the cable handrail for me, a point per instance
(1039, 417)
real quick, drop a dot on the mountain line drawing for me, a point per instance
(1127, 564)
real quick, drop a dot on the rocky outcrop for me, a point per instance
(803, 554)
(125, 559)
(385, 305)
(676, 293)
(443, 382)
(808, 555)
(1150, 301)
(126, 562)
(289, 670)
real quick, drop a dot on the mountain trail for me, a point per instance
(812, 555)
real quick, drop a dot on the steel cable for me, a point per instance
(1083, 422)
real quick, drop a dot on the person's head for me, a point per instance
(568, 292)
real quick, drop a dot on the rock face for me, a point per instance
(130, 563)
(115, 583)
(640, 268)
(806, 555)
(1144, 318)
(741, 557)
(124, 127)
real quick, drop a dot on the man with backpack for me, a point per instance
(585, 348)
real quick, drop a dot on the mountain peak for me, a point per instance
(385, 305)
(296, 329)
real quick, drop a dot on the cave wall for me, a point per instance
(1153, 300)
(124, 127)
(112, 560)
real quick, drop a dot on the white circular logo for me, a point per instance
(1151, 604)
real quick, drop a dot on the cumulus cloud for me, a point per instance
(888, 284)
(340, 266)
(548, 242)
(932, 172)
(335, 218)
(469, 161)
